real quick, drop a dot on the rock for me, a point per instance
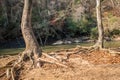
(85, 38)
(90, 41)
(107, 38)
(77, 40)
(67, 42)
(59, 42)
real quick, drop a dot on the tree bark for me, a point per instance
(99, 24)
(32, 47)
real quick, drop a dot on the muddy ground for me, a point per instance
(91, 65)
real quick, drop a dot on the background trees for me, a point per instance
(79, 20)
(99, 25)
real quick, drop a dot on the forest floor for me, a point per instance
(83, 65)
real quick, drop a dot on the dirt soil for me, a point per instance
(95, 65)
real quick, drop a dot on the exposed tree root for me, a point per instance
(3, 74)
(108, 50)
(52, 58)
(53, 62)
(82, 49)
(49, 56)
(66, 53)
(12, 73)
(112, 51)
(28, 55)
(11, 70)
(4, 56)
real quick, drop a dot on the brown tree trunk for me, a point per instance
(99, 25)
(32, 47)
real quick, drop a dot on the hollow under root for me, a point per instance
(31, 55)
(11, 72)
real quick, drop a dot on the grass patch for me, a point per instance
(112, 44)
(14, 51)
(11, 51)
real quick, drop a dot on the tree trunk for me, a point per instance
(99, 25)
(32, 47)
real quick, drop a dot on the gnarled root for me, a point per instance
(16, 65)
(11, 72)
(31, 55)
(36, 61)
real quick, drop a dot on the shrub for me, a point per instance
(94, 33)
(82, 27)
(115, 32)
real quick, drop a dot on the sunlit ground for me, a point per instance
(49, 48)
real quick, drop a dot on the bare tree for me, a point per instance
(32, 47)
(99, 43)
